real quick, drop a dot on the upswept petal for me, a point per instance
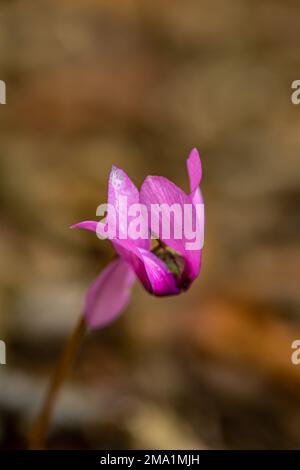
(93, 226)
(90, 225)
(121, 186)
(159, 190)
(102, 305)
(194, 169)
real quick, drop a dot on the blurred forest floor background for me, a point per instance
(91, 83)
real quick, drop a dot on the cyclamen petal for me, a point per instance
(159, 190)
(90, 225)
(194, 168)
(161, 279)
(103, 304)
(120, 185)
(151, 271)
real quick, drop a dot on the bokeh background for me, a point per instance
(91, 83)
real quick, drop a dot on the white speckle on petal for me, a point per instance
(117, 178)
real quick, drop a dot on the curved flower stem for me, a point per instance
(38, 433)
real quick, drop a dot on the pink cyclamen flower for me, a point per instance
(168, 269)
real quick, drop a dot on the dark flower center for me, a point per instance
(173, 260)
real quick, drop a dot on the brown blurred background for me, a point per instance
(91, 83)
